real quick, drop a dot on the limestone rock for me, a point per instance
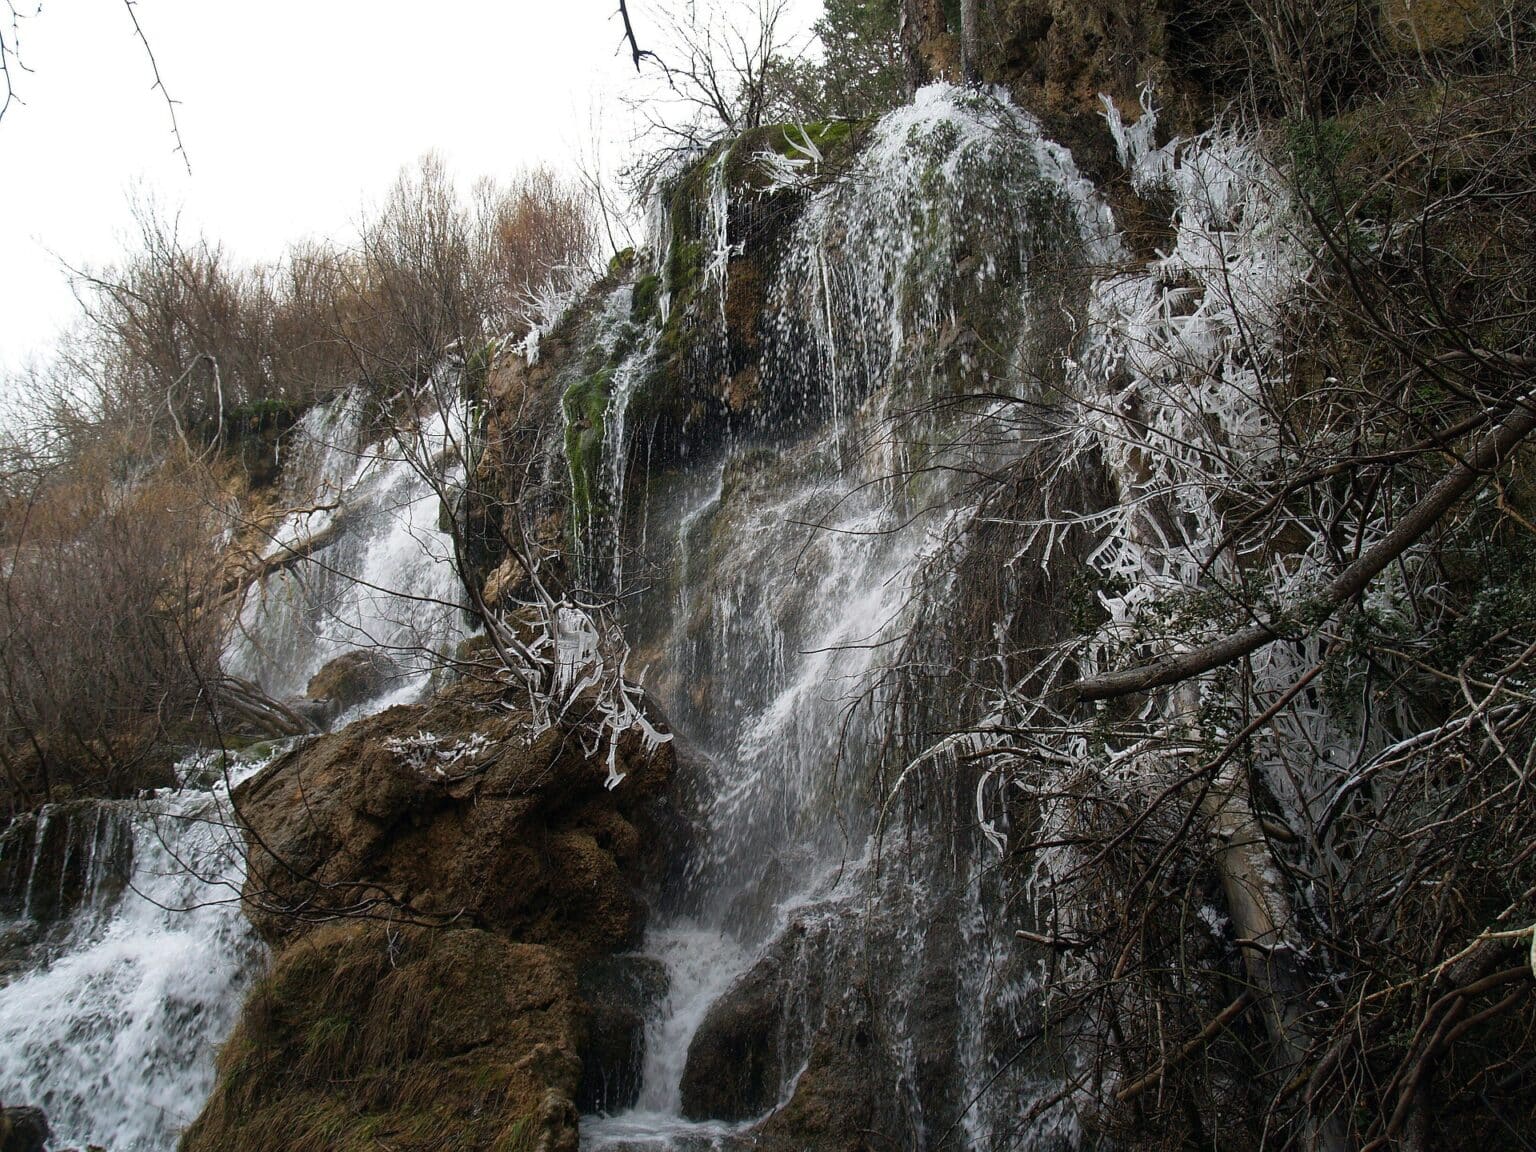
(350, 679)
(401, 1033)
(433, 881)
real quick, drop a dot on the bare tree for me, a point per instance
(11, 62)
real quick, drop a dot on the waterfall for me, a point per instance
(127, 958)
(942, 264)
(124, 956)
(373, 569)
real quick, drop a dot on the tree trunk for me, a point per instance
(970, 41)
(926, 43)
(1260, 911)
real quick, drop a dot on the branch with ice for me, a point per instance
(792, 170)
(426, 752)
(574, 666)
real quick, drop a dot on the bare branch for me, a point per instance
(1464, 475)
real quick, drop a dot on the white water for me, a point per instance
(114, 1031)
(788, 586)
(787, 594)
(382, 577)
(113, 1025)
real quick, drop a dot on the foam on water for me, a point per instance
(114, 1031)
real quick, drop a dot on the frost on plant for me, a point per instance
(792, 170)
(426, 752)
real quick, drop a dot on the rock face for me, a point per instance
(350, 679)
(445, 814)
(749, 1053)
(375, 1032)
(23, 1130)
(735, 1068)
(445, 896)
(620, 992)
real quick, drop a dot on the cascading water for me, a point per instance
(372, 568)
(124, 955)
(941, 264)
(131, 958)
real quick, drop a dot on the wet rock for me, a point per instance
(23, 1130)
(500, 866)
(66, 855)
(349, 680)
(846, 1100)
(621, 992)
(401, 1033)
(735, 1069)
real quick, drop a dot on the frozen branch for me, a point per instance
(1464, 475)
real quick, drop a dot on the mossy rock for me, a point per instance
(622, 263)
(706, 379)
(352, 678)
(586, 407)
(371, 1035)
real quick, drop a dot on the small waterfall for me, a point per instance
(372, 568)
(949, 261)
(126, 957)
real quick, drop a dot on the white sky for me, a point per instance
(295, 116)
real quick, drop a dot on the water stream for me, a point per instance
(124, 956)
(134, 958)
(374, 570)
(781, 601)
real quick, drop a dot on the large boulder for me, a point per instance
(735, 1069)
(398, 1035)
(845, 1100)
(349, 680)
(445, 890)
(448, 813)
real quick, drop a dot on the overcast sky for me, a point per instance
(295, 115)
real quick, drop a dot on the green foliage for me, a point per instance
(646, 298)
(621, 262)
(860, 71)
(1318, 149)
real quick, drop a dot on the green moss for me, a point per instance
(826, 135)
(586, 406)
(836, 140)
(685, 268)
(621, 263)
(647, 296)
(477, 368)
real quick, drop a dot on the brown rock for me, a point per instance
(1424, 25)
(23, 1130)
(352, 678)
(397, 1035)
(435, 880)
(445, 813)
